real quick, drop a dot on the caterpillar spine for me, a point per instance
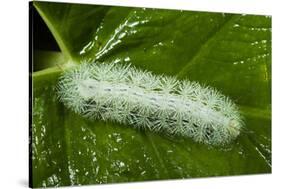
(127, 95)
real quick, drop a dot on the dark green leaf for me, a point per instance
(229, 52)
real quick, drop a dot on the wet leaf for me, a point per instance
(230, 52)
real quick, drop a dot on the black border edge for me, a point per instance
(30, 92)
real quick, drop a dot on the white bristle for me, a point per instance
(127, 95)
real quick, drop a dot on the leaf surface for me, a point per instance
(230, 52)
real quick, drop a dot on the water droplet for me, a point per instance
(127, 59)
(122, 164)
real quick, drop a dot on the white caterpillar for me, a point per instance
(141, 99)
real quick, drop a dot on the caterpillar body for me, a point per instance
(127, 95)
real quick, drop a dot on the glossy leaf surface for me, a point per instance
(230, 52)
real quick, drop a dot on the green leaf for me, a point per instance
(230, 52)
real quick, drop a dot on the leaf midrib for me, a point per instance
(212, 37)
(56, 35)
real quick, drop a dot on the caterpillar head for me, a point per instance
(234, 128)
